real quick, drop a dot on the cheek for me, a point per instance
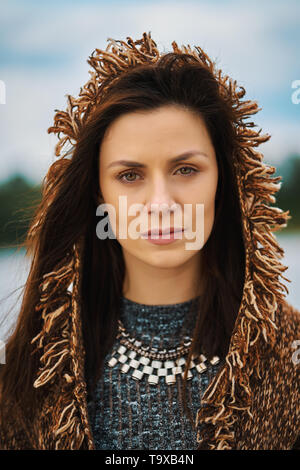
(108, 191)
(206, 196)
(126, 224)
(203, 217)
(209, 211)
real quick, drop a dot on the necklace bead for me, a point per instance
(154, 363)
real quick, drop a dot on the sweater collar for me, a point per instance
(163, 324)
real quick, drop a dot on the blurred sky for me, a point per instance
(44, 46)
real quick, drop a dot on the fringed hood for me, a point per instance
(61, 336)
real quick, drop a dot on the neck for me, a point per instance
(155, 285)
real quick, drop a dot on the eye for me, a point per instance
(123, 176)
(187, 168)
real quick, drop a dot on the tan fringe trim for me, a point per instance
(60, 356)
(73, 424)
(107, 68)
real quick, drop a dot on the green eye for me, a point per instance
(130, 173)
(123, 177)
(187, 168)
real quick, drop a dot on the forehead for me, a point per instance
(166, 130)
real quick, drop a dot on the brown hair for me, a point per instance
(67, 213)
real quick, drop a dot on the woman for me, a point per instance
(132, 342)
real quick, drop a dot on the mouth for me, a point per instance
(159, 233)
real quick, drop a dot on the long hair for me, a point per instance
(68, 211)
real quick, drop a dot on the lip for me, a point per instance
(155, 237)
(160, 232)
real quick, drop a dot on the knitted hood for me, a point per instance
(60, 339)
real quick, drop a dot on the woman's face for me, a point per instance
(151, 139)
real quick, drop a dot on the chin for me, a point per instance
(166, 258)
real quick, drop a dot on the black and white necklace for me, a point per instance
(139, 360)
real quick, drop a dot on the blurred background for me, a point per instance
(44, 47)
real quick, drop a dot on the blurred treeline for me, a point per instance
(19, 198)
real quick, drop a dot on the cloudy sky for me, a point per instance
(44, 46)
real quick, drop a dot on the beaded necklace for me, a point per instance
(132, 356)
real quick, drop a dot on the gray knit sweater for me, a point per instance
(130, 414)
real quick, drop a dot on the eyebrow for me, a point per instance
(181, 157)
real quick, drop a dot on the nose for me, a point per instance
(160, 198)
